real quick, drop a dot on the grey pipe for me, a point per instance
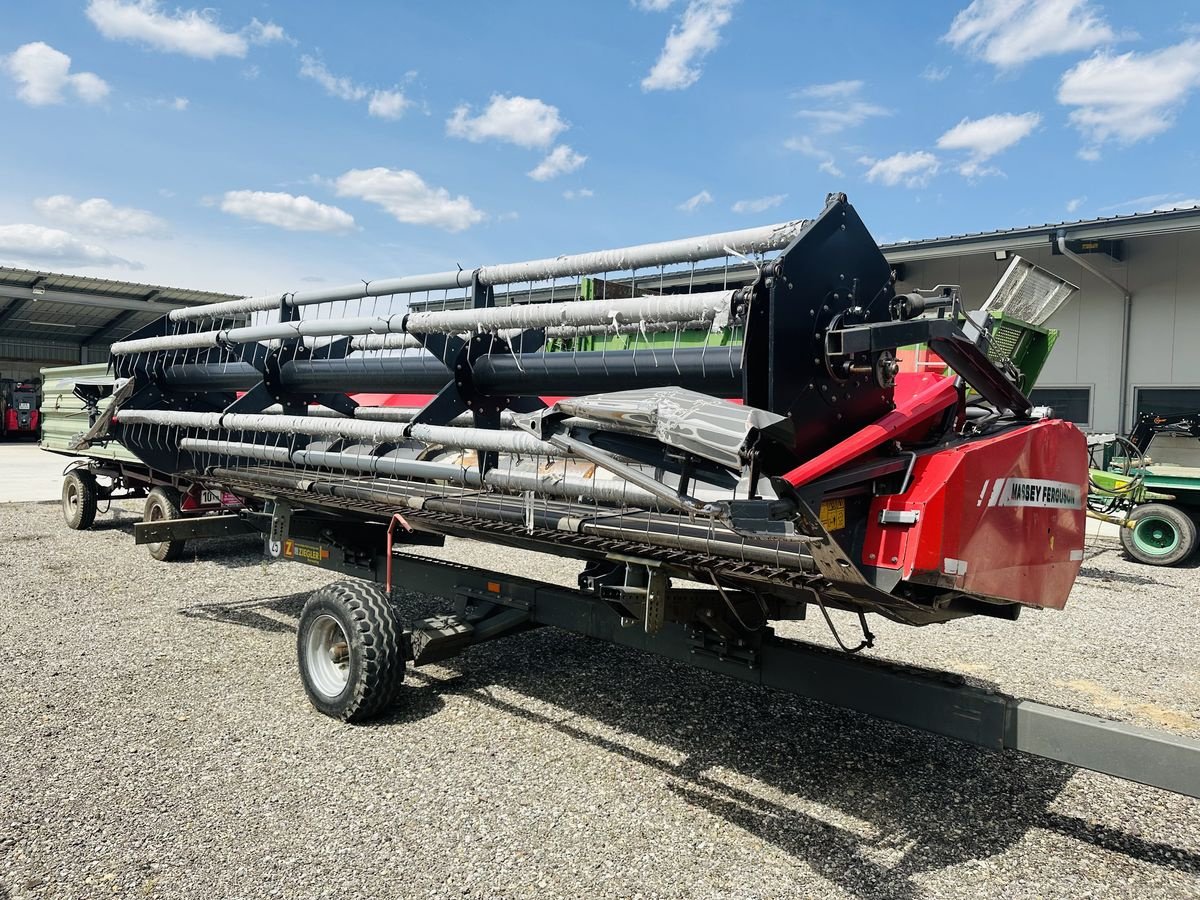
(693, 249)
(610, 491)
(1127, 324)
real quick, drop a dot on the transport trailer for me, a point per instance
(74, 399)
(796, 470)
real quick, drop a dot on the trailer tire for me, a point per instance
(349, 649)
(163, 503)
(79, 494)
(1161, 535)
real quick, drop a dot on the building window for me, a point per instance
(1167, 401)
(1071, 403)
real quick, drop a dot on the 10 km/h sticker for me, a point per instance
(1034, 492)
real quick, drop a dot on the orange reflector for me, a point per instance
(494, 587)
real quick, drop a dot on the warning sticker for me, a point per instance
(1036, 492)
(833, 514)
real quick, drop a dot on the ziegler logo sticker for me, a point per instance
(304, 552)
(1034, 492)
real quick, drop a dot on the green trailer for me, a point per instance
(74, 400)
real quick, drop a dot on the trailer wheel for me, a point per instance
(79, 499)
(350, 654)
(1161, 535)
(163, 503)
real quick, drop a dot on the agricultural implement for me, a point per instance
(73, 399)
(722, 445)
(1149, 485)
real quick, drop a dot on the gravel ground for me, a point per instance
(156, 741)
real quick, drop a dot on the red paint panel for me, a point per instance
(919, 399)
(1002, 516)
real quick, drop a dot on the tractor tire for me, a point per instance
(79, 493)
(1161, 535)
(163, 503)
(348, 644)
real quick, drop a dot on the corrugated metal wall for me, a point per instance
(21, 360)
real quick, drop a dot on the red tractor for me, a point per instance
(19, 416)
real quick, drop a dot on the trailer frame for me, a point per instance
(488, 605)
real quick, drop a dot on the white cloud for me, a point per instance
(286, 211)
(1132, 96)
(1074, 203)
(1009, 33)
(37, 245)
(1088, 154)
(267, 33)
(581, 194)
(694, 36)
(99, 216)
(694, 202)
(525, 121)
(388, 104)
(335, 85)
(760, 204)
(382, 104)
(851, 115)
(178, 104)
(913, 170)
(191, 32)
(1151, 203)
(832, 90)
(559, 161)
(406, 196)
(986, 137)
(652, 5)
(43, 74)
(805, 146)
(843, 108)
(932, 73)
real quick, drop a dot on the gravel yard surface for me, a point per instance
(155, 741)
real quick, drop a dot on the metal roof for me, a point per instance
(1133, 225)
(81, 309)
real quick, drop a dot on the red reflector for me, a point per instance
(494, 587)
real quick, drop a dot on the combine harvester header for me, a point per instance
(779, 424)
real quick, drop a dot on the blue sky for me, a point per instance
(263, 145)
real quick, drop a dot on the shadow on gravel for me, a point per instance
(1119, 577)
(250, 613)
(864, 803)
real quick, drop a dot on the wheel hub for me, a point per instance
(1154, 535)
(327, 656)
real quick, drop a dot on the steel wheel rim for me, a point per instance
(72, 496)
(327, 656)
(1155, 535)
(155, 513)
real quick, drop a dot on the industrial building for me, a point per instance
(60, 320)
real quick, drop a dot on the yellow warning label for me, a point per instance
(833, 514)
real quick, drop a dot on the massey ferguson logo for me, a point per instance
(1033, 492)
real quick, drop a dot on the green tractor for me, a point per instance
(1149, 485)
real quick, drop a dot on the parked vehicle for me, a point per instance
(1149, 484)
(19, 415)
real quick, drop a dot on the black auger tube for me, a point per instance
(714, 370)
